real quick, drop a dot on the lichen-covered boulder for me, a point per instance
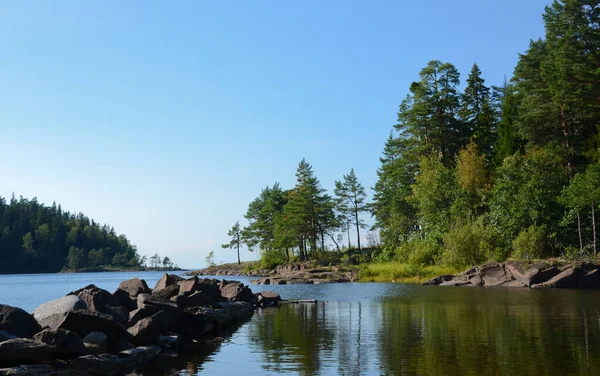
(236, 292)
(50, 314)
(18, 322)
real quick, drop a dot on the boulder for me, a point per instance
(236, 292)
(267, 298)
(438, 280)
(96, 298)
(44, 369)
(147, 330)
(5, 336)
(566, 279)
(210, 288)
(494, 275)
(197, 299)
(64, 342)
(18, 351)
(134, 287)
(141, 313)
(96, 342)
(125, 300)
(107, 364)
(18, 322)
(167, 293)
(52, 313)
(588, 279)
(188, 286)
(166, 280)
(84, 322)
(121, 314)
(537, 273)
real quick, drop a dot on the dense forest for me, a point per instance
(467, 175)
(38, 238)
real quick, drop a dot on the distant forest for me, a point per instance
(35, 238)
(467, 174)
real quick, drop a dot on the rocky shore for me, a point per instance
(305, 274)
(514, 274)
(93, 332)
(230, 270)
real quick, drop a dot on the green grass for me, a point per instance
(403, 272)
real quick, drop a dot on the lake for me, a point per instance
(377, 329)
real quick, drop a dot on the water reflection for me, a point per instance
(413, 330)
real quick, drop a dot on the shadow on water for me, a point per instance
(190, 359)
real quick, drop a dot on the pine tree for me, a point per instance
(352, 200)
(236, 239)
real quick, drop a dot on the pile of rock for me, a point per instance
(512, 274)
(83, 331)
(300, 274)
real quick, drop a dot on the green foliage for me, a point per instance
(37, 238)
(529, 244)
(236, 239)
(351, 202)
(270, 259)
(470, 244)
(433, 194)
(210, 259)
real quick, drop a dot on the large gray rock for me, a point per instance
(134, 287)
(24, 351)
(146, 331)
(438, 280)
(537, 273)
(567, 279)
(18, 322)
(96, 298)
(167, 293)
(188, 286)
(236, 292)
(5, 336)
(96, 343)
(64, 342)
(167, 280)
(588, 279)
(107, 364)
(125, 300)
(52, 313)
(84, 322)
(196, 299)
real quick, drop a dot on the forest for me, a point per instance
(35, 238)
(467, 175)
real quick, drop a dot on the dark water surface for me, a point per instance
(379, 329)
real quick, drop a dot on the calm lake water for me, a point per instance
(378, 329)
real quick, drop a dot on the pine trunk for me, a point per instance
(594, 227)
(579, 230)
(357, 228)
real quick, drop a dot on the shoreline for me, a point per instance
(91, 331)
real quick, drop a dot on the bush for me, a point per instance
(423, 252)
(529, 244)
(271, 259)
(470, 244)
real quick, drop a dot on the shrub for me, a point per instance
(470, 244)
(529, 243)
(272, 258)
(423, 252)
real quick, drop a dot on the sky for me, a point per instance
(165, 119)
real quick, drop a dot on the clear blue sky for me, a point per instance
(165, 119)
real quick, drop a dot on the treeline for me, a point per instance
(299, 223)
(468, 175)
(499, 172)
(36, 238)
